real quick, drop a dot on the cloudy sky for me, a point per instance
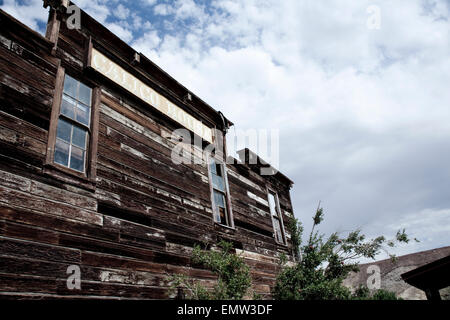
(361, 100)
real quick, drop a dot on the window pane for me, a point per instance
(83, 114)
(70, 86)
(220, 210)
(217, 215)
(79, 137)
(212, 167)
(219, 199)
(62, 153)
(272, 204)
(218, 183)
(84, 94)
(64, 130)
(223, 216)
(77, 159)
(68, 106)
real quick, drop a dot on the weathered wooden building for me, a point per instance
(87, 176)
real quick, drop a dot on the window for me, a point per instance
(277, 221)
(219, 189)
(73, 132)
(73, 125)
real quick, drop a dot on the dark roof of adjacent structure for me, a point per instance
(417, 258)
(434, 275)
(256, 163)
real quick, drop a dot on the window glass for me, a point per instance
(64, 130)
(220, 206)
(217, 215)
(220, 212)
(68, 106)
(219, 209)
(84, 94)
(217, 176)
(218, 183)
(70, 86)
(76, 101)
(79, 137)
(83, 114)
(223, 215)
(77, 159)
(73, 125)
(62, 153)
(212, 167)
(219, 199)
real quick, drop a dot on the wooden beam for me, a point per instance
(53, 26)
(433, 294)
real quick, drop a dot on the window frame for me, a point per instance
(225, 193)
(279, 216)
(90, 170)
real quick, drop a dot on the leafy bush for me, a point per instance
(233, 275)
(324, 263)
(363, 293)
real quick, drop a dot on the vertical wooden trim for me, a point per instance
(279, 214)
(93, 145)
(227, 185)
(280, 217)
(228, 196)
(213, 133)
(53, 26)
(88, 54)
(213, 205)
(56, 105)
(270, 213)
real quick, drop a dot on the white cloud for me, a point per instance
(150, 2)
(98, 9)
(121, 12)
(147, 43)
(120, 31)
(362, 112)
(428, 226)
(162, 9)
(188, 9)
(29, 12)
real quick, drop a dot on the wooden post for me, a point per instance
(433, 294)
(56, 104)
(53, 26)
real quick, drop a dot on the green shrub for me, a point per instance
(233, 275)
(324, 264)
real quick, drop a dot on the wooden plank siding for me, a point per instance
(137, 222)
